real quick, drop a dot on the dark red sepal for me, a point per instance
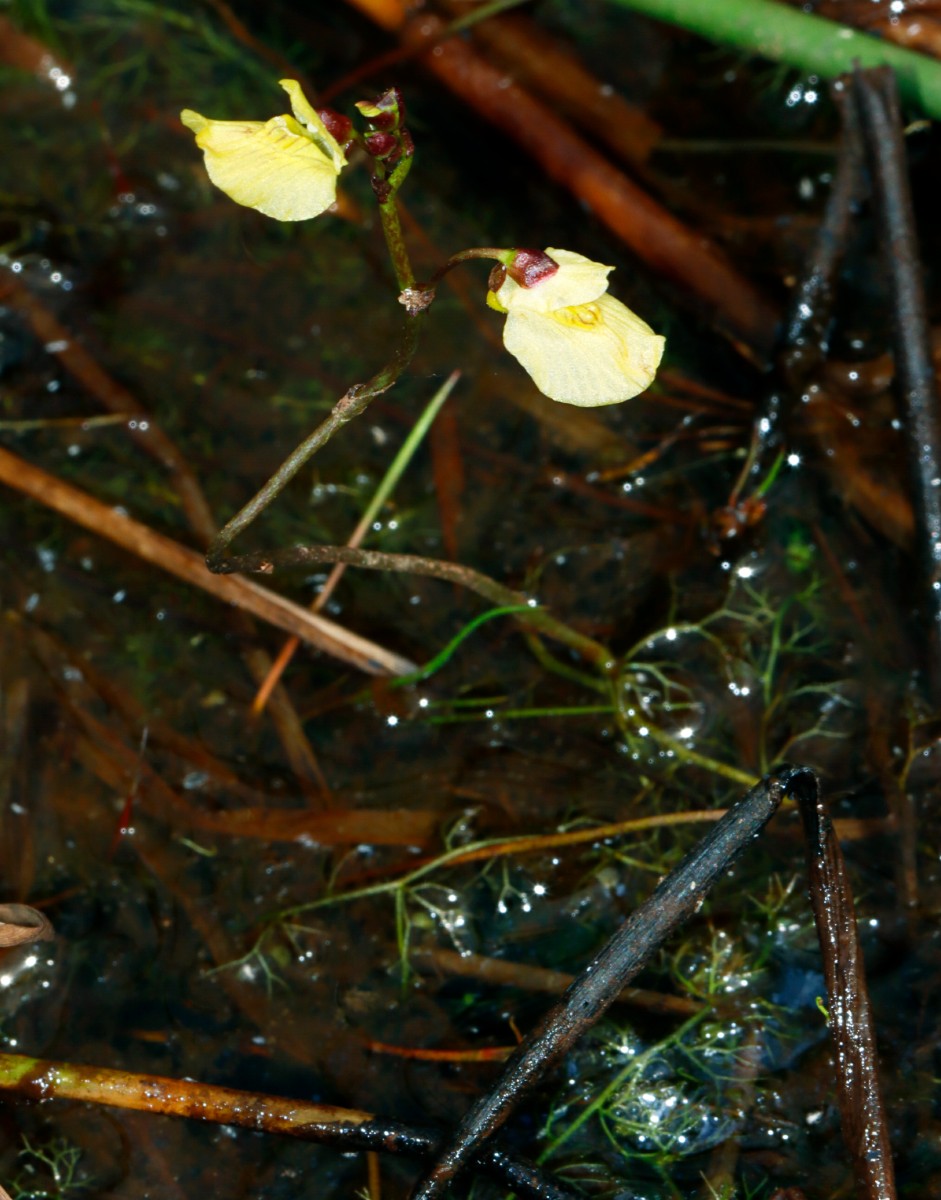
(530, 266)
(338, 126)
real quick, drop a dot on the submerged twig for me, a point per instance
(188, 565)
(804, 334)
(875, 94)
(672, 902)
(862, 1113)
(806, 326)
(346, 1129)
(553, 69)
(526, 976)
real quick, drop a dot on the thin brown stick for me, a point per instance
(345, 1128)
(916, 383)
(374, 1175)
(189, 566)
(862, 1113)
(552, 70)
(539, 979)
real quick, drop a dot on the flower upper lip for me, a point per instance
(286, 167)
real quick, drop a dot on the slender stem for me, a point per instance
(358, 397)
(494, 848)
(392, 230)
(346, 408)
(265, 561)
(463, 256)
(691, 757)
(386, 190)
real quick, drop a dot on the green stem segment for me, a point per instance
(801, 40)
(392, 227)
(264, 562)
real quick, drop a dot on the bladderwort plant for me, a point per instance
(50, 1171)
(579, 345)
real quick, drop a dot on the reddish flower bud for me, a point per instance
(386, 112)
(381, 145)
(338, 126)
(529, 266)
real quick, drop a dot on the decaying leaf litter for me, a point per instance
(732, 654)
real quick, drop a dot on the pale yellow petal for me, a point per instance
(193, 120)
(272, 166)
(589, 354)
(308, 116)
(577, 281)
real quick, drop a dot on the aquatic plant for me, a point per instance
(579, 345)
(719, 672)
(51, 1170)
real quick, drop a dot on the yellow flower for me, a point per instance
(580, 345)
(286, 168)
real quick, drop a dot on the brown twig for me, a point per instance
(810, 311)
(862, 1114)
(596, 988)
(530, 978)
(186, 564)
(550, 68)
(875, 93)
(108, 755)
(344, 1128)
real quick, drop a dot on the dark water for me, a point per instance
(181, 949)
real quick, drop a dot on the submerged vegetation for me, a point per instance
(351, 868)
